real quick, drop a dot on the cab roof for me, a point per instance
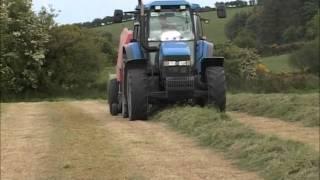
(168, 3)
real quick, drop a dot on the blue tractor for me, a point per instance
(166, 59)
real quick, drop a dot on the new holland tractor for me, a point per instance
(166, 59)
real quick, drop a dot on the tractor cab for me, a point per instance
(170, 34)
(170, 24)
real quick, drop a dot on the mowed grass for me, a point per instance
(82, 147)
(303, 108)
(279, 64)
(214, 31)
(271, 157)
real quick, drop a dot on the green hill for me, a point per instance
(279, 64)
(214, 31)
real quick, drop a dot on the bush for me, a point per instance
(245, 39)
(244, 73)
(75, 60)
(240, 62)
(275, 83)
(307, 58)
(292, 34)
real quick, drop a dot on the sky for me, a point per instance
(73, 11)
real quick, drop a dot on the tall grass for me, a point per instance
(271, 157)
(302, 108)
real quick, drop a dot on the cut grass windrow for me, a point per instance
(271, 157)
(302, 108)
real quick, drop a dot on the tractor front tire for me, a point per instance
(216, 81)
(137, 94)
(124, 108)
(113, 97)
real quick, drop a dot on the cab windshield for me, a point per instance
(170, 26)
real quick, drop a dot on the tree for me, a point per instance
(312, 31)
(276, 21)
(97, 22)
(236, 24)
(24, 36)
(107, 20)
(237, 3)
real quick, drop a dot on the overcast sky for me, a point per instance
(72, 11)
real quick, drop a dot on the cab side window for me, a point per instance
(199, 31)
(136, 31)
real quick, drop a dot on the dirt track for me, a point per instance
(80, 140)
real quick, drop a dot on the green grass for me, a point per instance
(214, 31)
(115, 30)
(279, 64)
(302, 108)
(271, 157)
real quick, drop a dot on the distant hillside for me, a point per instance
(214, 30)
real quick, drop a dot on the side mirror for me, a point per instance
(118, 16)
(221, 11)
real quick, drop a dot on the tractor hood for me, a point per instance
(174, 50)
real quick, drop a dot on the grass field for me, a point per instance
(270, 156)
(279, 64)
(302, 108)
(214, 31)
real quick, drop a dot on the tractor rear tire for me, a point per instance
(216, 87)
(114, 109)
(137, 94)
(113, 97)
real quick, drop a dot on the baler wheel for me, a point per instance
(113, 97)
(216, 87)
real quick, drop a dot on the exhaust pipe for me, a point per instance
(141, 7)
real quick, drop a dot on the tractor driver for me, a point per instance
(164, 24)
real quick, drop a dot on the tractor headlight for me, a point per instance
(177, 63)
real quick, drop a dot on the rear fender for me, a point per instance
(129, 52)
(133, 51)
(133, 56)
(129, 64)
